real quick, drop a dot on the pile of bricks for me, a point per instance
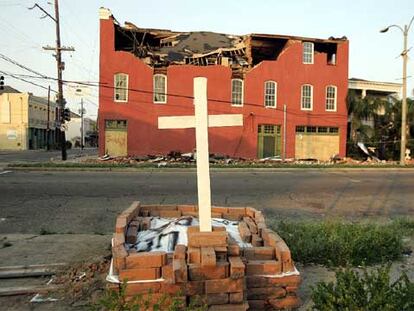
(212, 269)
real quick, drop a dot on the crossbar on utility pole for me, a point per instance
(60, 67)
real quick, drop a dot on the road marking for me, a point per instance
(5, 172)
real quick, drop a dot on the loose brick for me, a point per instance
(251, 224)
(119, 254)
(146, 260)
(289, 302)
(155, 213)
(258, 217)
(208, 256)
(194, 255)
(199, 273)
(259, 253)
(265, 293)
(217, 299)
(193, 229)
(292, 289)
(263, 281)
(180, 273)
(245, 233)
(233, 250)
(237, 267)
(216, 215)
(180, 251)
(142, 288)
(132, 211)
(257, 241)
(186, 208)
(224, 286)
(131, 235)
(138, 274)
(257, 305)
(118, 239)
(170, 214)
(194, 288)
(250, 211)
(160, 207)
(199, 239)
(120, 225)
(236, 297)
(263, 267)
(146, 223)
(171, 289)
(219, 209)
(194, 214)
(167, 273)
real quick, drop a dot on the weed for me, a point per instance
(117, 300)
(364, 291)
(335, 243)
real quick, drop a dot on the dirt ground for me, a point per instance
(79, 251)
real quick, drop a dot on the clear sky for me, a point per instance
(373, 55)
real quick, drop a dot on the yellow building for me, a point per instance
(24, 121)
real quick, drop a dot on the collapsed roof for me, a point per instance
(160, 48)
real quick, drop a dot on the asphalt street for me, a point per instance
(88, 202)
(25, 156)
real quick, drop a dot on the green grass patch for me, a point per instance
(335, 243)
(364, 291)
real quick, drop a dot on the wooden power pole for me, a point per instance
(60, 67)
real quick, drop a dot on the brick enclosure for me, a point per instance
(212, 268)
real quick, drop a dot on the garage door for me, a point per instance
(116, 137)
(316, 142)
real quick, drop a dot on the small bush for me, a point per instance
(365, 292)
(334, 243)
(113, 300)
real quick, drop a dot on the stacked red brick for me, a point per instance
(212, 269)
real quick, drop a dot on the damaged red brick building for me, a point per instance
(290, 90)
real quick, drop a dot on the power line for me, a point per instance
(24, 80)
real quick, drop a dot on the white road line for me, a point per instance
(5, 172)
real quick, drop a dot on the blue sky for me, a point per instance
(373, 55)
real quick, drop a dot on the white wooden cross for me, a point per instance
(201, 122)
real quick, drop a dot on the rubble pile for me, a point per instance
(176, 158)
(251, 270)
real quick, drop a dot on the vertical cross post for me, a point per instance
(203, 170)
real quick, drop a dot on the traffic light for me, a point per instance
(66, 114)
(1, 82)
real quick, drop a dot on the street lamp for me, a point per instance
(404, 54)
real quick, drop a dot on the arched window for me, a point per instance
(307, 97)
(237, 92)
(121, 87)
(270, 97)
(160, 89)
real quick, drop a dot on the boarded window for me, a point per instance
(308, 52)
(121, 87)
(307, 97)
(270, 94)
(237, 92)
(330, 103)
(115, 124)
(160, 89)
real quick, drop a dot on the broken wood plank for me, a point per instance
(9, 272)
(24, 290)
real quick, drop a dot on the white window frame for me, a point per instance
(233, 93)
(330, 98)
(302, 97)
(157, 92)
(308, 52)
(267, 95)
(117, 89)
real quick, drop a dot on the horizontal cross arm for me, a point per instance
(215, 120)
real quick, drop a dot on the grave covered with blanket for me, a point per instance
(240, 265)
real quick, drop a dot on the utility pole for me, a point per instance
(60, 67)
(404, 55)
(48, 120)
(284, 133)
(82, 144)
